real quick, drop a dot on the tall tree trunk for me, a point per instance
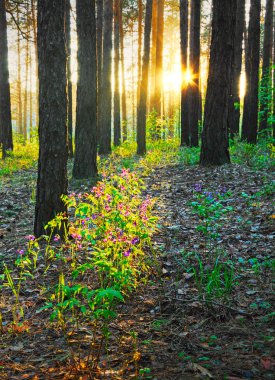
(19, 81)
(117, 124)
(250, 113)
(86, 108)
(246, 60)
(25, 124)
(184, 83)
(52, 164)
(234, 102)
(214, 149)
(141, 109)
(30, 96)
(159, 57)
(106, 90)
(34, 26)
(99, 45)
(133, 70)
(5, 103)
(273, 118)
(123, 87)
(153, 54)
(69, 77)
(266, 80)
(140, 11)
(195, 68)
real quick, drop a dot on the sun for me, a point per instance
(172, 79)
(187, 76)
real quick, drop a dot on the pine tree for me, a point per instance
(195, 68)
(234, 101)
(141, 109)
(86, 104)
(106, 88)
(5, 104)
(69, 78)
(117, 119)
(250, 112)
(52, 163)
(184, 84)
(214, 150)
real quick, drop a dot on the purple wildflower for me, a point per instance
(20, 252)
(30, 237)
(135, 241)
(127, 253)
(198, 187)
(56, 238)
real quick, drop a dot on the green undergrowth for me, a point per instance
(24, 156)
(104, 256)
(215, 272)
(159, 153)
(260, 156)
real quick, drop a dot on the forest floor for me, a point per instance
(172, 327)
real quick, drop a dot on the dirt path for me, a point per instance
(167, 330)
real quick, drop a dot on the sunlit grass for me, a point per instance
(159, 153)
(24, 156)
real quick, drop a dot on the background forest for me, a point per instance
(137, 189)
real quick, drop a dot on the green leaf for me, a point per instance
(45, 307)
(110, 294)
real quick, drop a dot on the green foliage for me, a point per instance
(24, 156)
(265, 98)
(159, 153)
(210, 208)
(260, 156)
(155, 126)
(101, 260)
(215, 277)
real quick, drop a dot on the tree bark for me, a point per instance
(34, 25)
(69, 78)
(214, 149)
(30, 97)
(153, 55)
(184, 84)
(117, 120)
(86, 108)
(195, 68)
(141, 109)
(52, 164)
(106, 90)
(19, 80)
(266, 80)
(250, 113)
(159, 58)
(140, 10)
(273, 118)
(25, 123)
(123, 86)
(99, 28)
(234, 101)
(5, 103)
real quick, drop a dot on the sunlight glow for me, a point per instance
(242, 85)
(172, 79)
(187, 76)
